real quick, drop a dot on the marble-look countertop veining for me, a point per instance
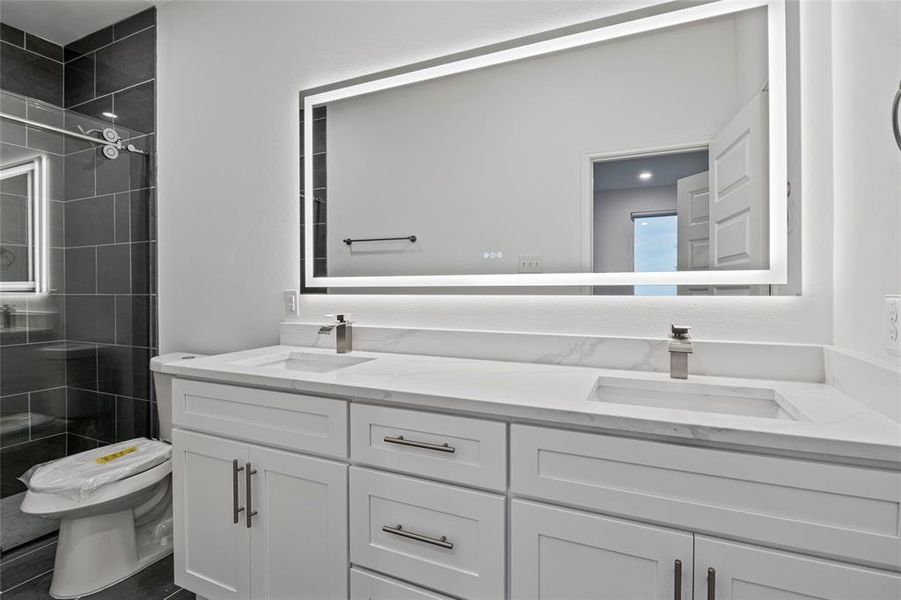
(830, 424)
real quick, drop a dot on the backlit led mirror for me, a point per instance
(23, 226)
(643, 157)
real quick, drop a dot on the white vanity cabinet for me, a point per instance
(560, 554)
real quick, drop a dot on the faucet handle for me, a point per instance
(680, 332)
(340, 317)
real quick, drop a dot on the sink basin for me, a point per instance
(702, 397)
(303, 361)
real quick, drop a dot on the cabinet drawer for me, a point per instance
(292, 421)
(468, 562)
(371, 586)
(831, 510)
(457, 449)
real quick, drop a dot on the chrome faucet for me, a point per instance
(344, 343)
(680, 346)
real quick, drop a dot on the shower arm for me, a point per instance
(111, 140)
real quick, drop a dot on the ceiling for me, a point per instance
(666, 170)
(64, 21)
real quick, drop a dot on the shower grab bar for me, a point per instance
(411, 238)
(103, 142)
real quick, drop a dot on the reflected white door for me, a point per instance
(693, 226)
(739, 206)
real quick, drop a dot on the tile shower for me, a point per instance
(74, 362)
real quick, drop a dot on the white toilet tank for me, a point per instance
(163, 385)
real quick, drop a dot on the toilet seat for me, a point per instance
(89, 472)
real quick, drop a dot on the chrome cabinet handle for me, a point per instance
(235, 509)
(711, 584)
(400, 440)
(399, 530)
(896, 127)
(677, 580)
(248, 473)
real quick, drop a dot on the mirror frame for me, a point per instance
(38, 227)
(778, 167)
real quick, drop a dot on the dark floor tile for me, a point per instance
(44, 47)
(36, 589)
(135, 107)
(88, 43)
(114, 269)
(21, 550)
(31, 75)
(21, 457)
(79, 75)
(133, 320)
(183, 594)
(10, 34)
(91, 414)
(27, 566)
(135, 23)
(153, 583)
(48, 412)
(81, 270)
(132, 418)
(90, 221)
(124, 371)
(14, 413)
(91, 318)
(80, 174)
(126, 62)
(76, 444)
(30, 367)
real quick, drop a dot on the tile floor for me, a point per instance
(25, 574)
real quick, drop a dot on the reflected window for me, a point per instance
(655, 249)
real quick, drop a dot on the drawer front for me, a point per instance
(371, 586)
(397, 524)
(831, 510)
(292, 421)
(456, 449)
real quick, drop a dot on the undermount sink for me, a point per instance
(303, 361)
(695, 396)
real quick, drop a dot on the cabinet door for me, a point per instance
(560, 554)
(743, 572)
(298, 536)
(212, 551)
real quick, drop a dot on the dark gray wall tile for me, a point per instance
(95, 109)
(112, 175)
(88, 43)
(142, 173)
(134, 107)
(44, 47)
(81, 366)
(14, 412)
(21, 457)
(81, 271)
(132, 418)
(142, 215)
(76, 444)
(11, 34)
(47, 327)
(90, 221)
(92, 414)
(143, 267)
(135, 23)
(133, 320)
(123, 370)
(126, 62)
(31, 75)
(91, 319)
(80, 175)
(48, 412)
(114, 269)
(123, 217)
(79, 76)
(30, 367)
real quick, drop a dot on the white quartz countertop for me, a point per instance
(829, 423)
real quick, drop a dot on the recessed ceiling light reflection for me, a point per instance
(645, 175)
(109, 115)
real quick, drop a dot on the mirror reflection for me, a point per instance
(641, 154)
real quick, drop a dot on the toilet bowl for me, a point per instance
(114, 504)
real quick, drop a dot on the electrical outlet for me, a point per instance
(291, 304)
(531, 263)
(893, 323)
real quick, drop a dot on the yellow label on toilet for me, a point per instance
(111, 457)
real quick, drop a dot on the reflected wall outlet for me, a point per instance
(893, 323)
(531, 263)
(291, 304)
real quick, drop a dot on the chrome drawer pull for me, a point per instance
(235, 508)
(399, 530)
(405, 442)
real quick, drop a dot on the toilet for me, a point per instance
(114, 503)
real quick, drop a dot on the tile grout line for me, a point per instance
(27, 581)
(115, 41)
(11, 560)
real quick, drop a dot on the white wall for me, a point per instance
(867, 65)
(613, 235)
(229, 74)
(493, 160)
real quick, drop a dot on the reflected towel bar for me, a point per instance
(411, 238)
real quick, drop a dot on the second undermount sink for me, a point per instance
(696, 396)
(303, 361)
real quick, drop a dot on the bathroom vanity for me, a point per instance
(300, 473)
